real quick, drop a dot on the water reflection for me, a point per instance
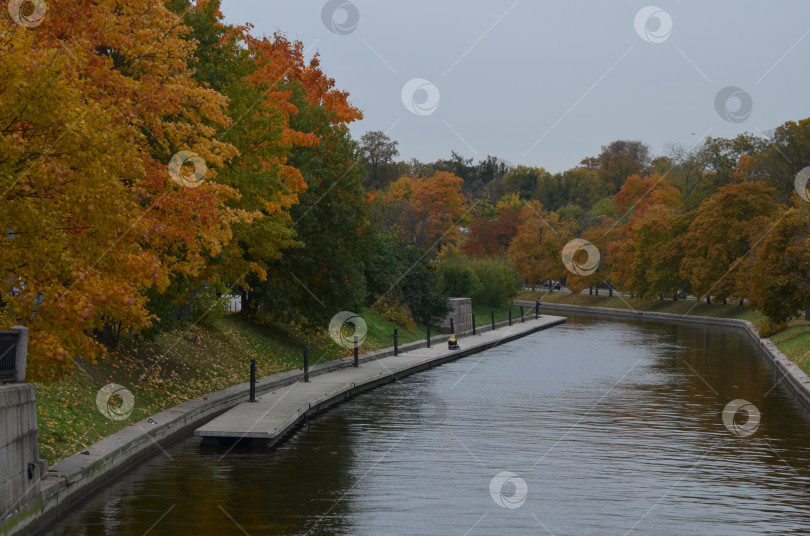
(615, 428)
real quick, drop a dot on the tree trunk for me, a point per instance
(708, 299)
(185, 311)
(742, 302)
(610, 290)
(244, 308)
(590, 290)
(597, 290)
(725, 301)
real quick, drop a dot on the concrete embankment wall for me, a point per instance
(20, 466)
(788, 372)
(73, 479)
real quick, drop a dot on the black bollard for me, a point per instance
(356, 352)
(396, 342)
(306, 363)
(510, 314)
(253, 380)
(492, 313)
(452, 327)
(473, 323)
(428, 335)
(521, 315)
(537, 309)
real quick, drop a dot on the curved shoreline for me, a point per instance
(75, 478)
(797, 382)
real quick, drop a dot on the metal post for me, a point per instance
(428, 335)
(492, 313)
(253, 380)
(510, 314)
(306, 363)
(356, 352)
(521, 315)
(473, 323)
(396, 342)
(452, 327)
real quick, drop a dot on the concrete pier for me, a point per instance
(278, 412)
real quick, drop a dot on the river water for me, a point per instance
(590, 428)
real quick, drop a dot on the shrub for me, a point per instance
(500, 282)
(396, 312)
(209, 306)
(457, 277)
(489, 282)
(769, 328)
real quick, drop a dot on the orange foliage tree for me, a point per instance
(535, 249)
(428, 210)
(640, 202)
(95, 103)
(724, 232)
(489, 237)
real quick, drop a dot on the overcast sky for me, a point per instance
(547, 83)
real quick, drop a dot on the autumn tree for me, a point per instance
(724, 230)
(535, 249)
(659, 251)
(428, 211)
(96, 102)
(490, 236)
(640, 202)
(780, 271)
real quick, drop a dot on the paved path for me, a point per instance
(276, 413)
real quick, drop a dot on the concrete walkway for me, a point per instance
(276, 413)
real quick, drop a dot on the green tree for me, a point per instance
(379, 152)
(309, 284)
(398, 271)
(456, 276)
(618, 160)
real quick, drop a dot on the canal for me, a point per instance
(595, 427)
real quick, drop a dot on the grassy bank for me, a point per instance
(180, 365)
(691, 307)
(794, 342)
(483, 315)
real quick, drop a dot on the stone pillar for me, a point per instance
(22, 353)
(20, 466)
(461, 315)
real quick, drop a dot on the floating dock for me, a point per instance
(278, 412)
